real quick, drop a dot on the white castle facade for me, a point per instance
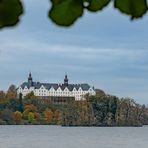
(78, 91)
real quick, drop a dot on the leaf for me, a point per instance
(135, 8)
(66, 12)
(10, 10)
(95, 5)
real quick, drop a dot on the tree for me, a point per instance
(11, 93)
(7, 116)
(129, 113)
(99, 92)
(57, 117)
(21, 105)
(12, 104)
(31, 117)
(2, 122)
(30, 98)
(28, 109)
(18, 117)
(2, 96)
(30, 95)
(48, 116)
(66, 12)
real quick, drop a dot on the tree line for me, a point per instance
(98, 110)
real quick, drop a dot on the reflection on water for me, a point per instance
(73, 137)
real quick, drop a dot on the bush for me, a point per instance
(2, 122)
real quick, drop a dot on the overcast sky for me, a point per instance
(106, 50)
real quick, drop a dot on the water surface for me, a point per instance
(73, 137)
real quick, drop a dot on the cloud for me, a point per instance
(30, 49)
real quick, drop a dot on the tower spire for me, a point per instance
(66, 80)
(30, 79)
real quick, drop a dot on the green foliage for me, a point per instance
(70, 115)
(104, 108)
(31, 117)
(21, 105)
(30, 96)
(7, 116)
(12, 104)
(66, 12)
(95, 5)
(99, 110)
(2, 122)
(134, 8)
(10, 10)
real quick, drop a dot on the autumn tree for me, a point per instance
(28, 109)
(17, 117)
(2, 96)
(85, 113)
(48, 116)
(11, 92)
(57, 117)
(31, 117)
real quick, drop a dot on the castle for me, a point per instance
(43, 90)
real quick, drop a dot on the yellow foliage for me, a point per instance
(29, 108)
(48, 115)
(31, 117)
(18, 117)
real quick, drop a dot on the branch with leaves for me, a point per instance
(66, 12)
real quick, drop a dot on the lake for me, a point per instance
(73, 137)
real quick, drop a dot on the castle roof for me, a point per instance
(38, 85)
(48, 86)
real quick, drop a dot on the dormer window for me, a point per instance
(90, 89)
(25, 87)
(80, 89)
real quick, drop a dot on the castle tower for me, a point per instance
(30, 80)
(66, 81)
